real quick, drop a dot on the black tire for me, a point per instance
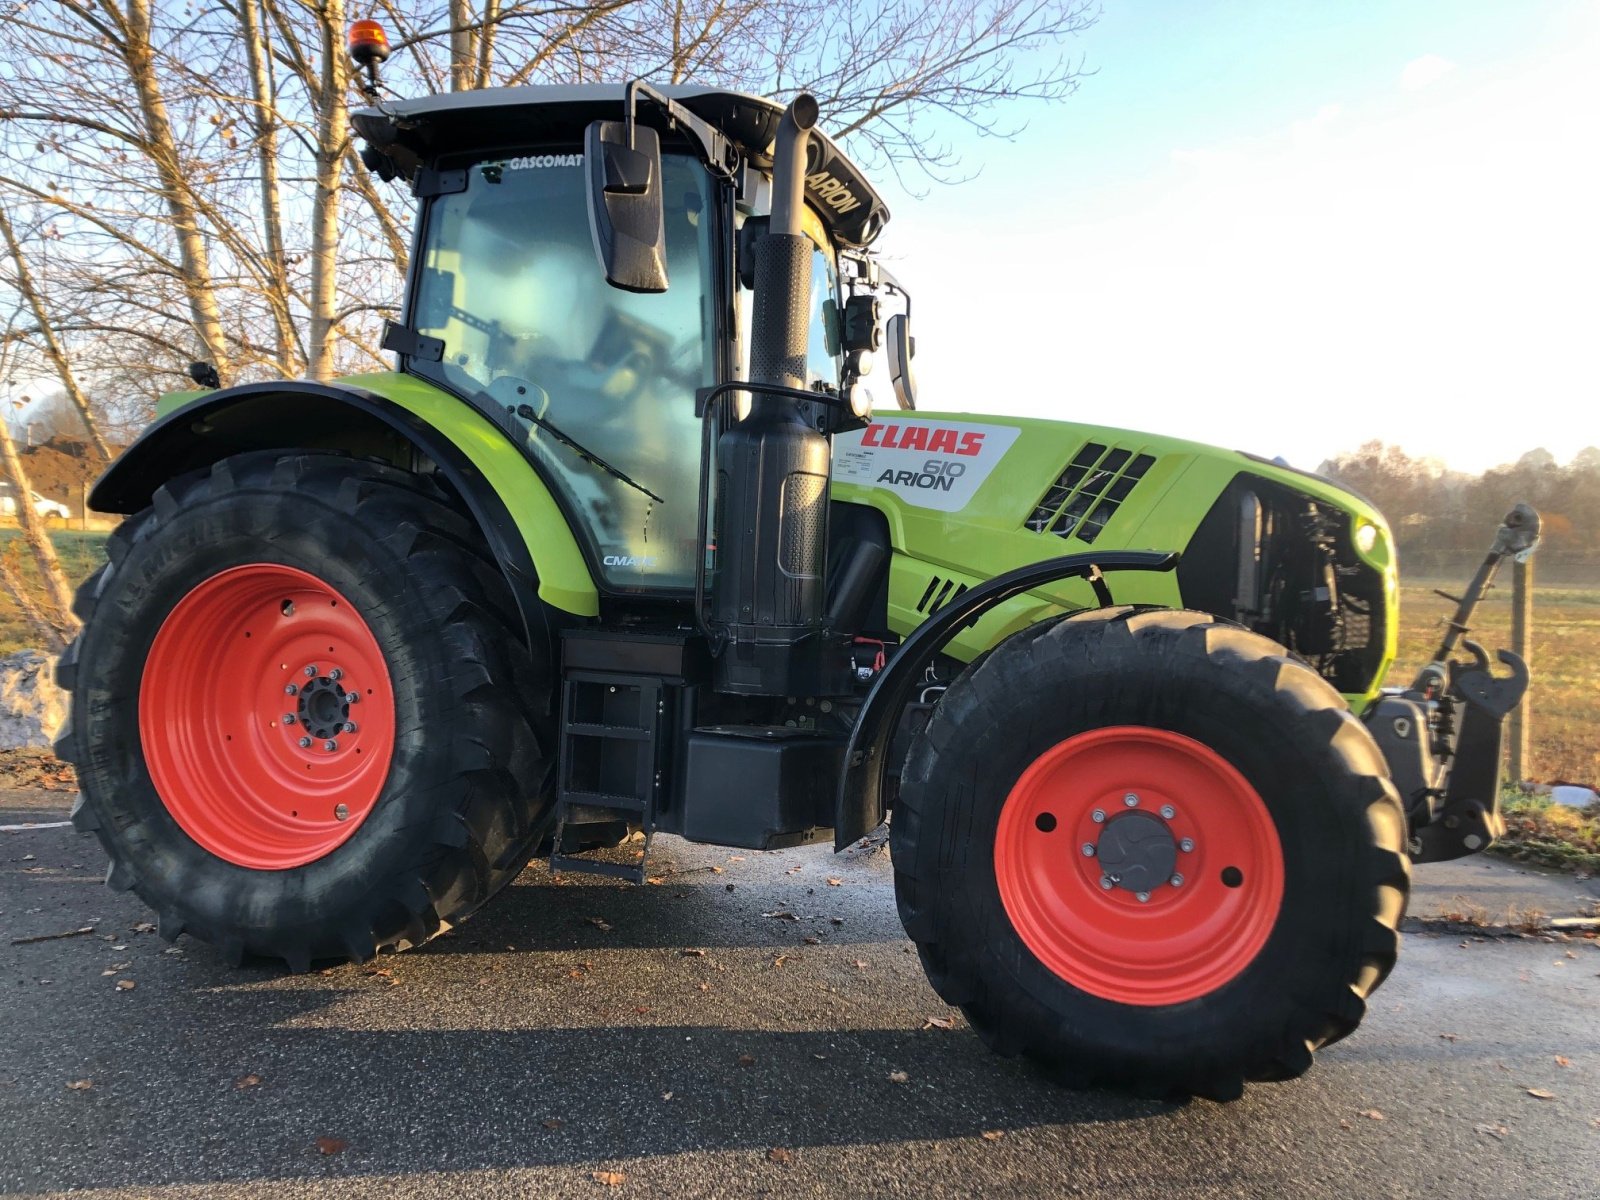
(1338, 821)
(470, 786)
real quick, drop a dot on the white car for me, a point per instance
(45, 508)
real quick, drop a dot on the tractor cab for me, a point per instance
(508, 308)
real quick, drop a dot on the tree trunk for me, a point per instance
(266, 130)
(47, 334)
(163, 149)
(463, 46)
(56, 589)
(333, 135)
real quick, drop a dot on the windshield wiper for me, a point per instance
(526, 412)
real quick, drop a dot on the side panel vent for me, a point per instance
(938, 593)
(1091, 489)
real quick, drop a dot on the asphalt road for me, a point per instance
(565, 1033)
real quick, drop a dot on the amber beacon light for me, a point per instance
(369, 46)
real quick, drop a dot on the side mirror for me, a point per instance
(902, 348)
(625, 206)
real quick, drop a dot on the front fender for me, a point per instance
(379, 414)
(860, 807)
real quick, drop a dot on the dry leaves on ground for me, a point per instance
(1494, 1131)
(835, 881)
(551, 1122)
(80, 1085)
(747, 1060)
(246, 1081)
(1541, 1094)
(600, 923)
(126, 985)
(609, 1178)
(899, 1077)
(938, 1022)
(1371, 1114)
(330, 1145)
(992, 1135)
(781, 1156)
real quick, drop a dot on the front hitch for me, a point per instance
(1443, 736)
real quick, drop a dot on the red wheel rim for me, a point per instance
(1066, 828)
(248, 729)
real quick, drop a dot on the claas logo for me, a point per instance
(931, 438)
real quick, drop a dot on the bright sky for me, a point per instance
(1285, 228)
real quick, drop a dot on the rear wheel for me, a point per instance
(303, 722)
(1150, 850)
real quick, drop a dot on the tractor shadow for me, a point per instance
(425, 1100)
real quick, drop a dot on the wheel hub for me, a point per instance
(1137, 852)
(245, 716)
(323, 707)
(1138, 865)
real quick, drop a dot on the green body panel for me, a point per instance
(987, 535)
(564, 579)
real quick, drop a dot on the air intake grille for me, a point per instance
(938, 593)
(1092, 488)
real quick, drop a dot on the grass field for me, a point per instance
(1566, 650)
(1565, 695)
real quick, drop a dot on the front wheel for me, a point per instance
(1152, 851)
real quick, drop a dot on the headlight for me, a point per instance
(1366, 536)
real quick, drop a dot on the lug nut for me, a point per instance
(1168, 811)
(289, 689)
(1142, 897)
(1107, 883)
(330, 745)
(287, 608)
(336, 673)
(1088, 849)
(341, 812)
(1187, 845)
(311, 671)
(1131, 800)
(305, 743)
(288, 718)
(1176, 881)
(1097, 816)
(349, 726)
(351, 697)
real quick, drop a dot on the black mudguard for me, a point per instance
(861, 805)
(301, 414)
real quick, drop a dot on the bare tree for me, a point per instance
(45, 330)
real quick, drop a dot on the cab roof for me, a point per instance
(411, 133)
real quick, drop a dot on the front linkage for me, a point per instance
(1442, 736)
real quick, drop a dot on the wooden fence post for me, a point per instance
(1521, 644)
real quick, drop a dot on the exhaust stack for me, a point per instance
(769, 589)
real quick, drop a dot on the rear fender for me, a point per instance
(406, 423)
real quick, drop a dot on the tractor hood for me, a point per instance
(969, 496)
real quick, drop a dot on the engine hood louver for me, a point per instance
(1085, 495)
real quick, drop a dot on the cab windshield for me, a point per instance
(510, 283)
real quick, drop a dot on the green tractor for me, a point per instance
(607, 555)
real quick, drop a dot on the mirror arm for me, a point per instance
(716, 151)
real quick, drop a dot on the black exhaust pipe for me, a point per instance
(770, 585)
